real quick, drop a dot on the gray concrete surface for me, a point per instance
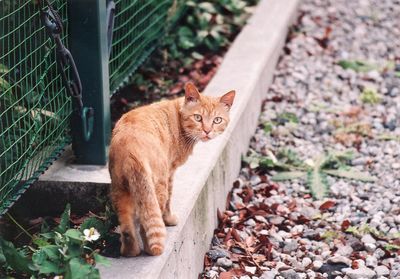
(202, 184)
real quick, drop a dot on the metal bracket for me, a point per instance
(110, 24)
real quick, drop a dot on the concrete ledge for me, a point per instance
(202, 184)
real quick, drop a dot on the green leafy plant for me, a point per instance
(62, 251)
(208, 26)
(329, 236)
(287, 117)
(392, 247)
(361, 230)
(370, 96)
(357, 65)
(267, 127)
(314, 171)
(363, 66)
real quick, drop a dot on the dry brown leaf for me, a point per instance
(226, 275)
(327, 205)
(345, 225)
(236, 235)
(250, 241)
(353, 112)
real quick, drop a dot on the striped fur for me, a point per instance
(147, 146)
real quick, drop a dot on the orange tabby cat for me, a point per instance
(147, 146)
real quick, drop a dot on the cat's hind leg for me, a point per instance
(125, 208)
(170, 219)
(153, 229)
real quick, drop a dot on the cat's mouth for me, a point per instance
(205, 138)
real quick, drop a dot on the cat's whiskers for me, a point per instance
(187, 140)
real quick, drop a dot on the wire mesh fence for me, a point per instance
(139, 24)
(34, 105)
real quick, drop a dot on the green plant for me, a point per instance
(315, 171)
(329, 236)
(357, 65)
(192, 49)
(370, 96)
(392, 247)
(365, 229)
(287, 117)
(208, 26)
(62, 251)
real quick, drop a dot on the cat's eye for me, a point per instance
(217, 120)
(197, 117)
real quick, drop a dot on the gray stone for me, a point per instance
(255, 180)
(367, 238)
(276, 220)
(306, 262)
(269, 274)
(344, 251)
(339, 259)
(212, 274)
(310, 234)
(371, 261)
(394, 92)
(250, 222)
(382, 270)
(317, 264)
(370, 247)
(290, 246)
(361, 273)
(215, 254)
(224, 262)
(379, 253)
(360, 161)
(289, 274)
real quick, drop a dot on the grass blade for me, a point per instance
(287, 175)
(318, 184)
(316, 180)
(351, 174)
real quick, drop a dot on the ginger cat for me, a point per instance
(147, 145)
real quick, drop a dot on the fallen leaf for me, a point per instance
(353, 112)
(250, 241)
(327, 205)
(226, 275)
(235, 235)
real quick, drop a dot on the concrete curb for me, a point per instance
(202, 184)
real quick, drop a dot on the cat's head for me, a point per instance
(205, 117)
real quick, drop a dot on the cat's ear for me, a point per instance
(228, 98)
(191, 93)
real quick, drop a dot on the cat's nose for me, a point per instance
(207, 131)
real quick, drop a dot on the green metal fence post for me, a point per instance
(89, 47)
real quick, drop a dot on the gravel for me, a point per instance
(278, 228)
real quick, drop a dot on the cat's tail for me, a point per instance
(152, 225)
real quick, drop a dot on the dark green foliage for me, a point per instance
(63, 251)
(208, 26)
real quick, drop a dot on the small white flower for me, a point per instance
(91, 234)
(58, 277)
(309, 162)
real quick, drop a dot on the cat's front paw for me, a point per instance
(170, 219)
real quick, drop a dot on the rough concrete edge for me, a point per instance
(216, 164)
